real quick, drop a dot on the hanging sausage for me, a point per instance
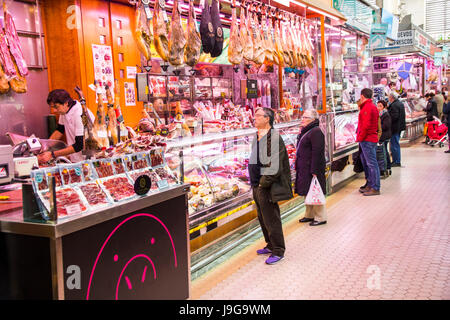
(206, 28)
(217, 27)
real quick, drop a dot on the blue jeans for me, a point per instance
(395, 148)
(370, 164)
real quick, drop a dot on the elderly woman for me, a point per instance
(310, 162)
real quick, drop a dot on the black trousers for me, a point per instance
(270, 220)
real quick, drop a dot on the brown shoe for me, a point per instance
(363, 190)
(372, 192)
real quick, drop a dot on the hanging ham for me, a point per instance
(245, 35)
(194, 42)
(258, 47)
(278, 45)
(206, 28)
(266, 39)
(235, 50)
(143, 34)
(177, 39)
(161, 30)
(14, 44)
(4, 85)
(218, 31)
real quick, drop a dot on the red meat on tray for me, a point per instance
(74, 177)
(104, 169)
(94, 194)
(67, 197)
(119, 188)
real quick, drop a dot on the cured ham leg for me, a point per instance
(161, 30)
(246, 38)
(235, 50)
(143, 34)
(194, 42)
(177, 39)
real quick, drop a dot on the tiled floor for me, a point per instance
(392, 246)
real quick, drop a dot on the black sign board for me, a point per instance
(142, 185)
(252, 89)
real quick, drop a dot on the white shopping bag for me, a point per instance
(315, 196)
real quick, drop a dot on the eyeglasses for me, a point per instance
(260, 115)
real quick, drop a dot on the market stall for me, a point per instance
(170, 140)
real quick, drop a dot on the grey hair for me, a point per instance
(312, 113)
(393, 94)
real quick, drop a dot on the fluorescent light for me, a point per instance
(298, 3)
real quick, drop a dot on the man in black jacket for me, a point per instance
(398, 124)
(270, 177)
(446, 112)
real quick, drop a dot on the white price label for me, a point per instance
(73, 209)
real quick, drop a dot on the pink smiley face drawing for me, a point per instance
(138, 272)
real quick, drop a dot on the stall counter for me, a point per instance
(134, 250)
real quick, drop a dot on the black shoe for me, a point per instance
(364, 186)
(448, 151)
(302, 220)
(390, 172)
(395, 165)
(317, 223)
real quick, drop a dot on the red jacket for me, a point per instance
(367, 122)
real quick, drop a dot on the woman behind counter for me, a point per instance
(310, 162)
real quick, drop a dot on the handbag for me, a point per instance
(315, 196)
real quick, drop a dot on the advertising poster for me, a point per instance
(130, 94)
(103, 66)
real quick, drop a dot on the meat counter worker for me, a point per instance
(70, 124)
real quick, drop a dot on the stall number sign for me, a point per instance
(404, 38)
(252, 89)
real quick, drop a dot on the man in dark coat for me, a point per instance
(398, 118)
(310, 162)
(270, 178)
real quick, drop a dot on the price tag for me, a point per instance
(39, 178)
(162, 184)
(78, 171)
(73, 209)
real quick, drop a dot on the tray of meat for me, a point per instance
(39, 178)
(165, 174)
(154, 178)
(139, 161)
(156, 157)
(104, 168)
(119, 188)
(55, 173)
(128, 163)
(68, 202)
(94, 195)
(118, 164)
(88, 173)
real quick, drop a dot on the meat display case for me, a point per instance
(216, 167)
(415, 118)
(123, 245)
(343, 125)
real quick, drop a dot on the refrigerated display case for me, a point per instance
(415, 118)
(216, 167)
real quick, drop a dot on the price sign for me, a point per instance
(252, 89)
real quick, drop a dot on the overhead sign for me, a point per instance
(378, 35)
(404, 38)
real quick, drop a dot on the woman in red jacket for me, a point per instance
(367, 136)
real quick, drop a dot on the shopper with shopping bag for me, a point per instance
(310, 168)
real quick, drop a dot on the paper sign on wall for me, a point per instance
(103, 67)
(131, 72)
(130, 94)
